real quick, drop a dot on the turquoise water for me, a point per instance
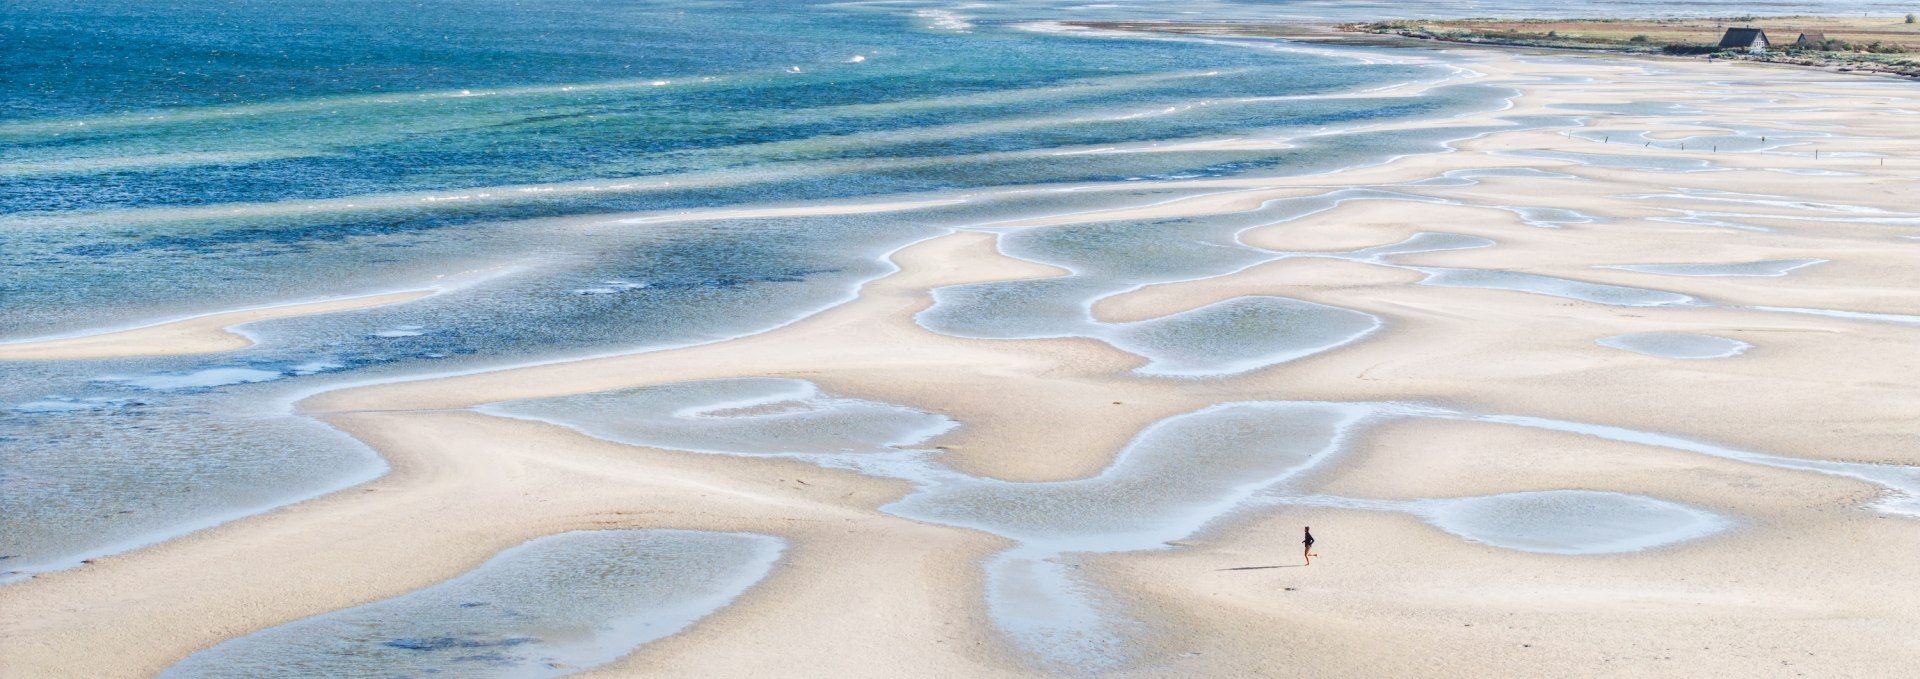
(166, 161)
(163, 160)
(230, 155)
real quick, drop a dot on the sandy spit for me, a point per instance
(204, 334)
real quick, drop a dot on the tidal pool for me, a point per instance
(1683, 345)
(552, 606)
(1174, 479)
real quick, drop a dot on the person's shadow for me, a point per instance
(1261, 568)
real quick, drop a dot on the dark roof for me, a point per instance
(1811, 39)
(1744, 37)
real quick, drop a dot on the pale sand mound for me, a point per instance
(208, 334)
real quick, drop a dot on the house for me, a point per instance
(1811, 41)
(1753, 40)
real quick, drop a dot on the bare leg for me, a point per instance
(1308, 552)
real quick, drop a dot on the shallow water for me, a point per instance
(1240, 334)
(1570, 521)
(1562, 522)
(1723, 139)
(745, 416)
(1471, 176)
(1170, 481)
(1553, 217)
(1676, 345)
(1517, 281)
(498, 168)
(1897, 319)
(180, 443)
(1496, 279)
(1641, 163)
(1174, 479)
(1109, 258)
(1773, 207)
(1766, 268)
(518, 160)
(550, 607)
(1900, 483)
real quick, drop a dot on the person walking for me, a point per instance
(1309, 545)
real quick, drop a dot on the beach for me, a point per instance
(209, 334)
(1443, 369)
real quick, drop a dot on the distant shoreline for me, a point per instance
(1869, 45)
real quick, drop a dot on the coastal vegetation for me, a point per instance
(1874, 44)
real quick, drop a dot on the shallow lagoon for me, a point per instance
(1176, 478)
(1684, 345)
(479, 184)
(553, 606)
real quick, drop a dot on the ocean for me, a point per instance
(166, 162)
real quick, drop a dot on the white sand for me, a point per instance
(204, 334)
(1808, 582)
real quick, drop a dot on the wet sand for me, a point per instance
(206, 334)
(1809, 578)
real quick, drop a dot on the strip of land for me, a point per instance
(1885, 45)
(1870, 45)
(204, 334)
